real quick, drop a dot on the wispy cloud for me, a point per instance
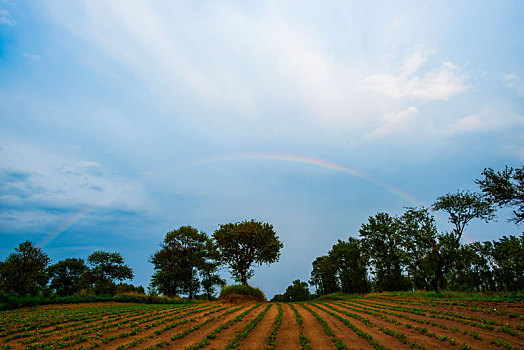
(484, 122)
(393, 121)
(4, 18)
(515, 83)
(438, 84)
(33, 57)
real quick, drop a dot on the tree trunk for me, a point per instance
(243, 277)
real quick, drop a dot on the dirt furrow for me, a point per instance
(151, 336)
(459, 337)
(257, 338)
(318, 339)
(344, 333)
(462, 311)
(287, 336)
(227, 335)
(381, 337)
(68, 333)
(198, 335)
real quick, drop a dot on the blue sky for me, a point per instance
(122, 120)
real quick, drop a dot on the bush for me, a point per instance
(12, 300)
(241, 292)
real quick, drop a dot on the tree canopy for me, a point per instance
(67, 276)
(24, 271)
(244, 244)
(462, 207)
(184, 254)
(105, 268)
(505, 188)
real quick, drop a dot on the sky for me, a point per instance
(123, 120)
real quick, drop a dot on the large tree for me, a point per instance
(508, 255)
(462, 207)
(184, 253)
(24, 272)
(67, 276)
(324, 275)
(432, 255)
(244, 244)
(105, 269)
(505, 188)
(351, 264)
(383, 241)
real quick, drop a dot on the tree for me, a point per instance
(472, 270)
(505, 188)
(24, 272)
(324, 275)
(129, 288)
(432, 255)
(383, 240)
(298, 291)
(67, 276)
(244, 244)
(508, 256)
(462, 207)
(183, 254)
(105, 268)
(351, 265)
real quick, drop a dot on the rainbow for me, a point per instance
(315, 162)
(311, 162)
(66, 225)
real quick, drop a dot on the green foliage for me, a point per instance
(432, 255)
(244, 244)
(324, 275)
(276, 325)
(508, 256)
(24, 272)
(105, 268)
(241, 289)
(129, 288)
(383, 241)
(298, 291)
(462, 207)
(67, 276)
(351, 266)
(505, 188)
(184, 252)
(12, 300)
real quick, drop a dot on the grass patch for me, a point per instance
(242, 292)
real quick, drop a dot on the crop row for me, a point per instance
(400, 336)
(103, 326)
(276, 325)
(424, 330)
(304, 341)
(453, 316)
(101, 329)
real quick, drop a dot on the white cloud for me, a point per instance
(88, 164)
(393, 122)
(483, 122)
(438, 84)
(58, 178)
(253, 70)
(4, 17)
(515, 83)
(32, 57)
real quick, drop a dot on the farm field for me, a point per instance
(370, 322)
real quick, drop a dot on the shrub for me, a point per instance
(239, 291)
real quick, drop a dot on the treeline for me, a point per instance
(27, 272)
(187, 263)
(408, 252)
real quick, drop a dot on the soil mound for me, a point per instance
(241, 298)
